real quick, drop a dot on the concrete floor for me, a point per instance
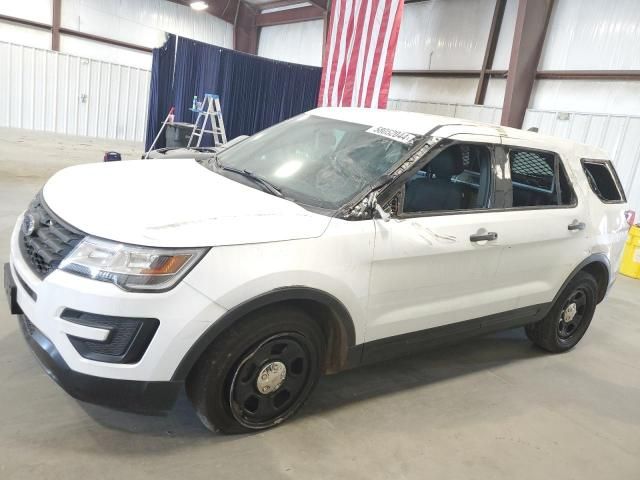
(491, 408)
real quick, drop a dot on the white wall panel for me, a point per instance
(444, 34)
(32, 37)
(477, 113)
(105, 52)
(433, 89)
(593, 35)
(143, 22)
(495, 92)
(432, 108)
(56, 92)
(615, 97)
(505, 39)
(295, 42)
(34, 10)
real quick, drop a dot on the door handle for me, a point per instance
(479, 237)
(576, 226)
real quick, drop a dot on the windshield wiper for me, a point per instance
(264, 183)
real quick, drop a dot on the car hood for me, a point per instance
(173, 203)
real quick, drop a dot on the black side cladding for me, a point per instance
(128, 395)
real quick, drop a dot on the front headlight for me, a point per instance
(131, 267)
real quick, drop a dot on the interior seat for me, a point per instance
(436, 191)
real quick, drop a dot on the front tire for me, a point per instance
(259, 372)
(568, 320)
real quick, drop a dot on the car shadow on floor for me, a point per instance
(421, 369)
(333, 392)
(357, 385)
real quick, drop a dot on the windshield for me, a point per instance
(317, 161)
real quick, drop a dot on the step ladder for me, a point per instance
(209, 110)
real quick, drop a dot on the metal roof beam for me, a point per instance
(531, 27)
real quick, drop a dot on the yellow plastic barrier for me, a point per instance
(631, 257)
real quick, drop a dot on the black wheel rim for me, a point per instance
(256, 409)
(572, 314)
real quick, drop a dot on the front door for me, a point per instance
(435, 260)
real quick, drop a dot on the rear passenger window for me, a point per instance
(538, 179)
(603, 180)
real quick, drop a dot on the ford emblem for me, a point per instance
(28, 224)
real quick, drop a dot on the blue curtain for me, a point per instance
(160, 92)
(255, 92)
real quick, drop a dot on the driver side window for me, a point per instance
(458, 178)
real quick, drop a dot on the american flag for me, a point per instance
(358, 57)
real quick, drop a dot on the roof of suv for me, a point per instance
(422, 123)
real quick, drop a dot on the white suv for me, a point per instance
(334, 239)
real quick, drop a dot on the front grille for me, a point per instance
(51, 240)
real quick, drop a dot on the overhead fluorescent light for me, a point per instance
(199, 5)
(286, 7)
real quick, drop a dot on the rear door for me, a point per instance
(547, 234)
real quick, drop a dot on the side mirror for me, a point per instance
(383, 215)
(381, 182)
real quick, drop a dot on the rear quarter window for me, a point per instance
(603, 180)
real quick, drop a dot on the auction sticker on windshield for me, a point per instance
(399, 136)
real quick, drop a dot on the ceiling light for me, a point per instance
(199, 5)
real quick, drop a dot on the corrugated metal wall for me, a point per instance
(450, 34)
(591, 35)
(443, 34)
(57, 92)
(582, 35)
(90, 88)
(140, 22)
(144, 22)
(619, 135)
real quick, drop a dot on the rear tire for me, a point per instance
(259, 372)
(567, 321)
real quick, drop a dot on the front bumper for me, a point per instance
(148, 384)
(130, 395)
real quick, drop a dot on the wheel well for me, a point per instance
(331, 315)
(336, 334)
(601, 273)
